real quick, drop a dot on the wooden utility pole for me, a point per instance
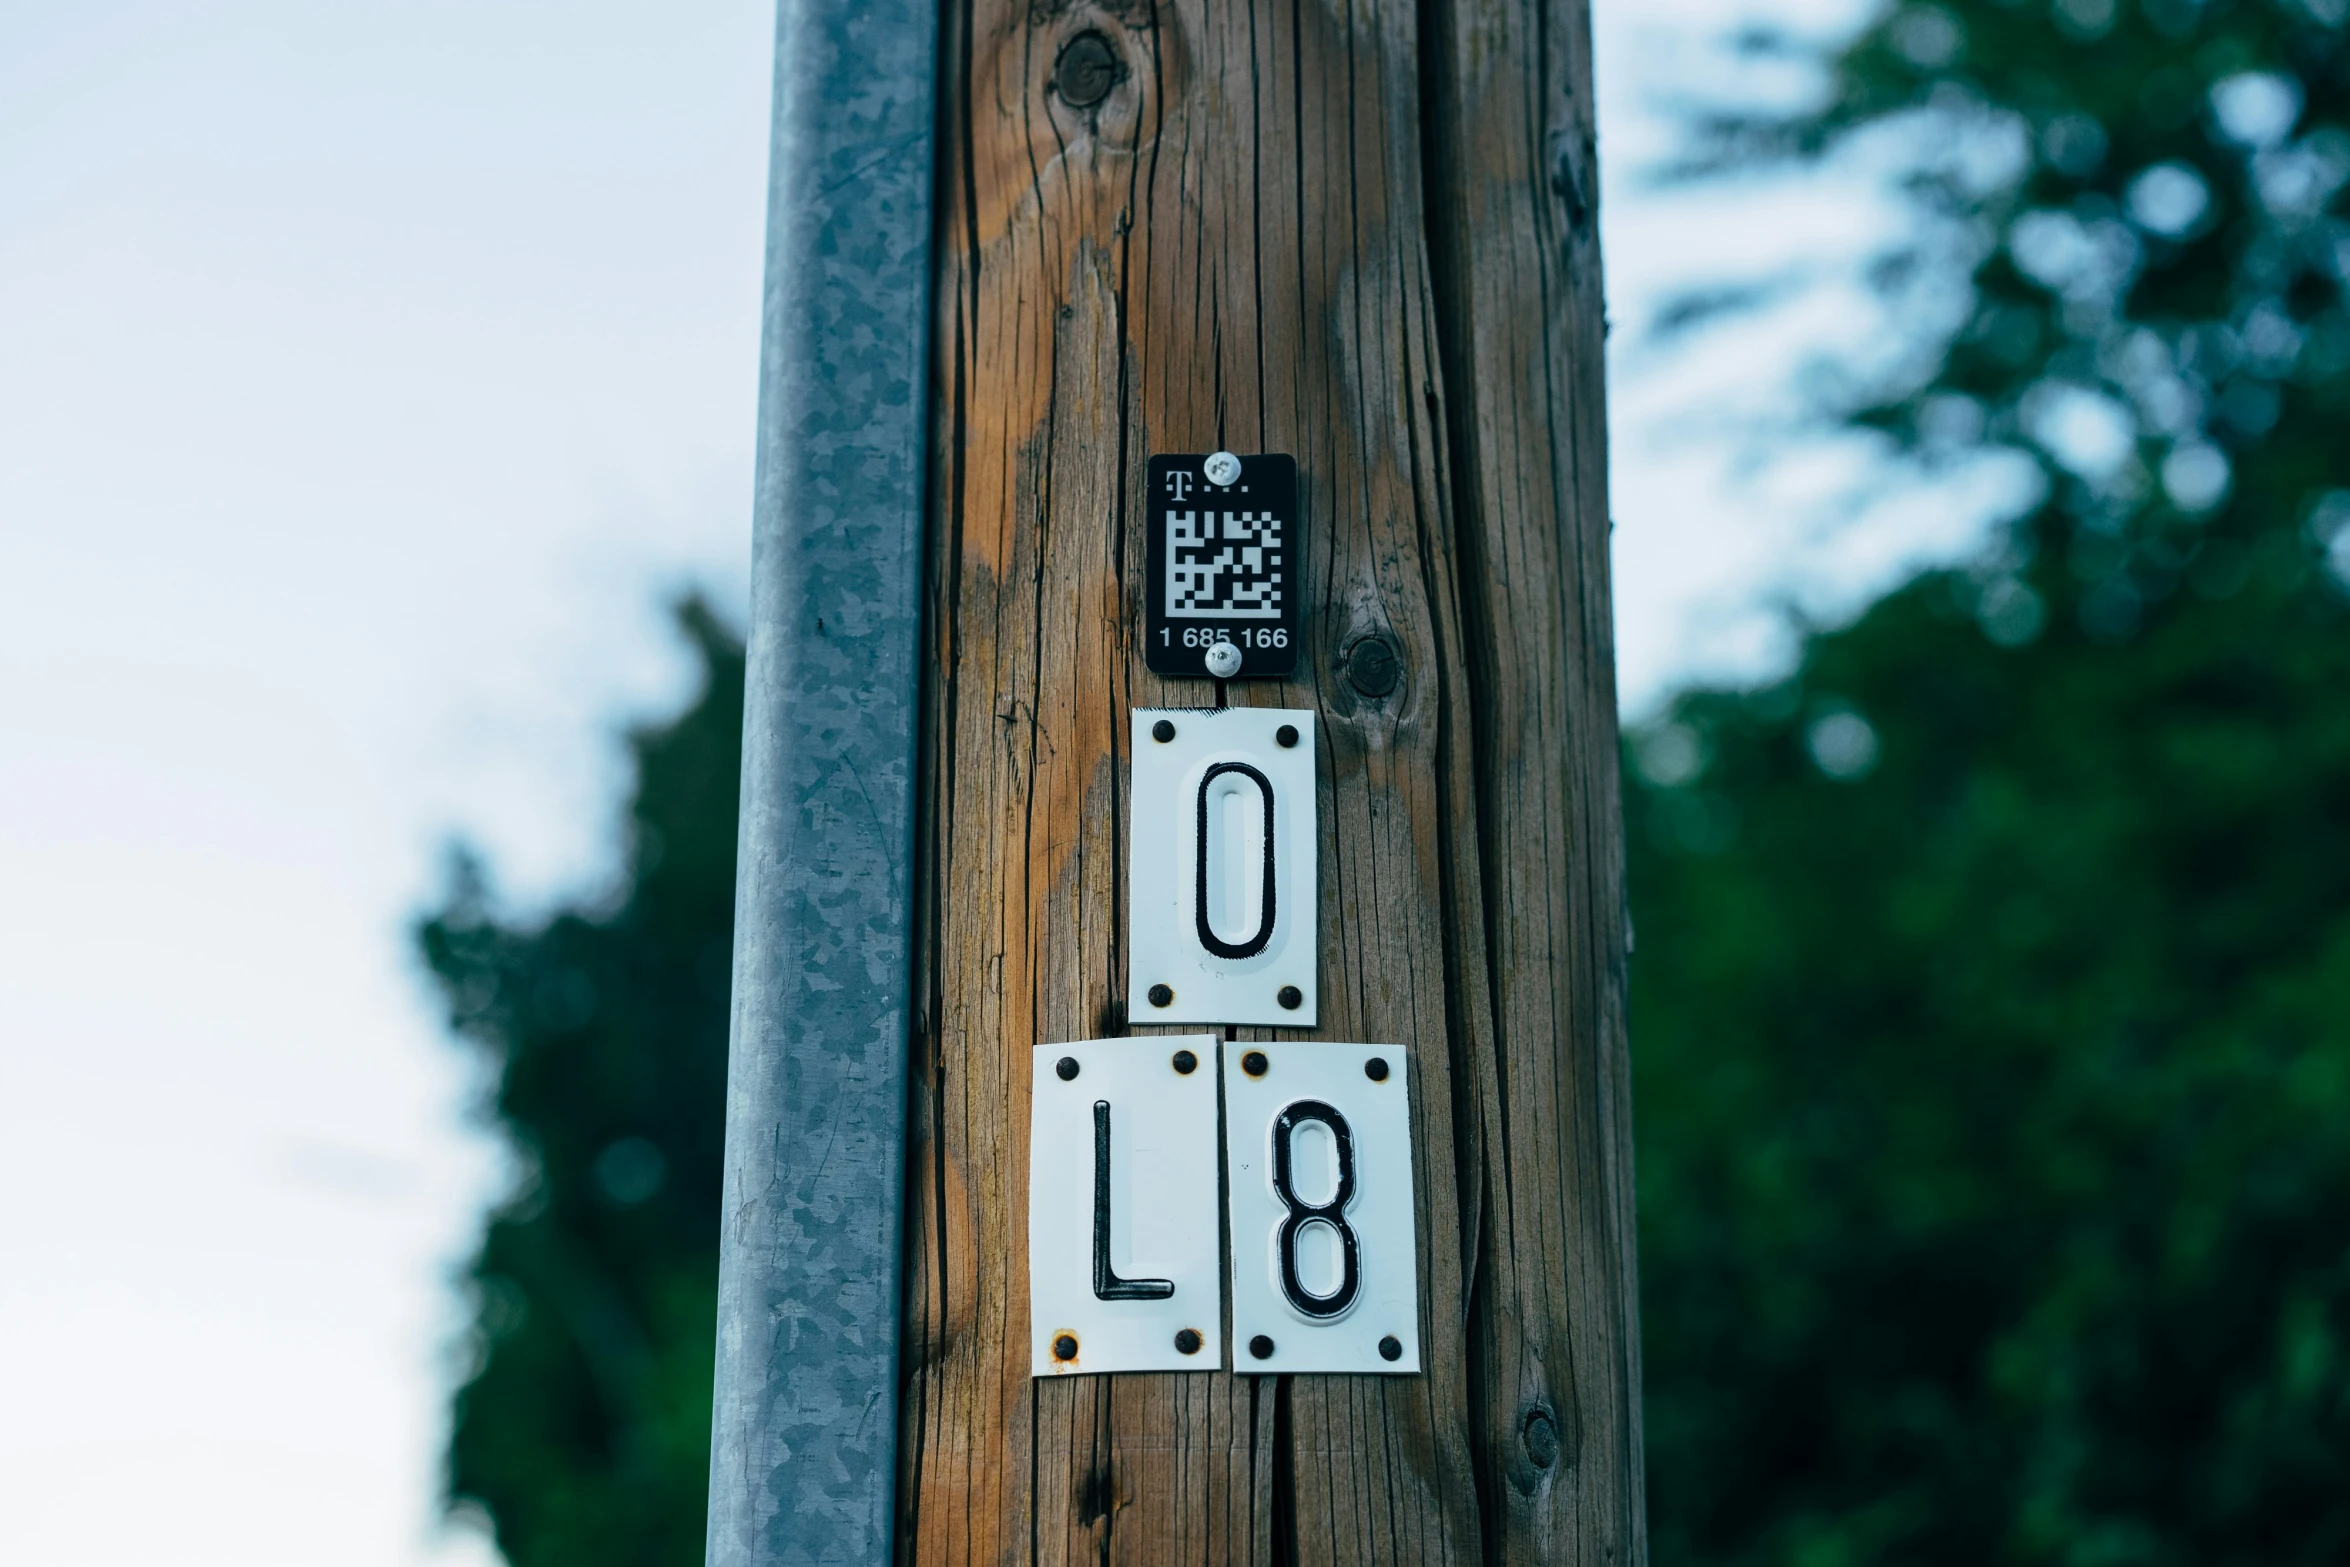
(1362, 233)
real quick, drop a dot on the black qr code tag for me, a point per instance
(1222, 599)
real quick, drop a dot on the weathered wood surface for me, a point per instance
(1362, 234)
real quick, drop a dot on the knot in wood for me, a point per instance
(1372, 667)
(1540, 1432)
(1086, 70)
(1096, 1495)
(1572, 157)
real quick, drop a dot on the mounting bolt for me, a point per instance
(1285, 736)
(1224, 660)
(1086, 70)
(1391, 1348)
(1162, 731)
(1187, 1341)
(1376, 1069)
(1255, 1064)
(1221, 468)
(1186, 1063)
(1372, 667)
(1290, 996)
(1065, 1346)
(1261, 1347)
(1066, 1067)
(1162, 996)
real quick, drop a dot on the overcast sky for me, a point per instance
(367, 376)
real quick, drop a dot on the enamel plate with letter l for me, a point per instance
(1325, 1263)
(1124, 1263)
(1222, 846)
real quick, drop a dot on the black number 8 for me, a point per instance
(1301, 1214)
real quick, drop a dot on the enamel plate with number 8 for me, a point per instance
(1325, 1264)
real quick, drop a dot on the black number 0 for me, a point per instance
(1301, 1214)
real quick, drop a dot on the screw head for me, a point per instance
(1186, 1063)
(1086, 70)
(1224, 660)
(1162, 996)
(1255, 1064)
(1162, 731)
(1372, 667)
(1221, 468)
(1187, 1341)
(1066, 1067)
(1391, 1348)
(1290, 996)
(1064, 1346)
(1285, 736)
(1261, 1347)
(1376, 1069)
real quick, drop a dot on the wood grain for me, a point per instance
(1340, 231)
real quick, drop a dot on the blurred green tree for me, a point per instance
(584, 1429)
(1991, 1004)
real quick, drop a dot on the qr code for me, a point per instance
(1224, 565)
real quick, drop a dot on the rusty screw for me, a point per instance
(1186, 1063)
(1187, 1341)
(1255, 1064)
(1162, 996)
(1376, 1069)
(1086, 70)
(1065, 1347)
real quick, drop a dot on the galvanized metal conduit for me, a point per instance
(804, 1434)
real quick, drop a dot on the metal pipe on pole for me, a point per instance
(804, 1431)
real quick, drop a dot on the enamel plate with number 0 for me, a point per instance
(1325, 1266)
(1221, 856)
(1124, 1265)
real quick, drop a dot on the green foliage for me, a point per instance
(1991, 1007)
(585, 1429)
(1994, 1096)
